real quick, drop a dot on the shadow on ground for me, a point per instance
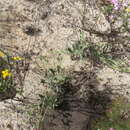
(82, 103)
(9, 93)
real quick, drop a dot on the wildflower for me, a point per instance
(2, 54)
(128, 62)
(115, 3)
(6, 73)
(17, 58)
(111, 129)
(125, 3)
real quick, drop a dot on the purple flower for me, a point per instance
(128, 62)
(125, 3)
(111, 129)
(115, 3)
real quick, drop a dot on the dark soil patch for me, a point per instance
(9, 93)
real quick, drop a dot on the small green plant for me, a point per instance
(48, 101)
(103, 55)
(6, 84)
(115, 64)
(117, 116)
(54, 78)
(77, 50)
(98, 54)
(107, 9)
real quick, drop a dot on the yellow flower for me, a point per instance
(17, 58)
(6, 73)
(128, 10)
(2, 54)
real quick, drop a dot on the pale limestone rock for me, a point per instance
(95, 20)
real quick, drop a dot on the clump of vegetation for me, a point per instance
(117, 116)
(97, 54)
(6, 80)
(8, 69)
(55, 79)
(76, 51)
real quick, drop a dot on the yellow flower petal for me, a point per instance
(128, 10)
(2, 54)
(17, 58)
(5, 73)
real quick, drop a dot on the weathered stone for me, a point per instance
(118, 23)
(95, 20)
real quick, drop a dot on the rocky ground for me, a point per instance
(39, 28)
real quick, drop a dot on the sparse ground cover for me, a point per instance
(64, 65)
(117, 116)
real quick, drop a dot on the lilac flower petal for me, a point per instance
(125, 4)
(111, 129)
(115, 3)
